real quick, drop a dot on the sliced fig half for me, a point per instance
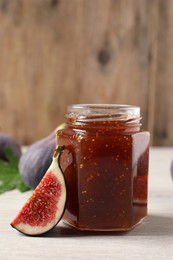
(44, 209)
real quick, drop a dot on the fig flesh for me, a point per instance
(45, 207)
(35, 161)
(8, 141)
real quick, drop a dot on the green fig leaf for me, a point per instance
(9, 173)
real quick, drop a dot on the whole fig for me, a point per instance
(171, 169)
(7, 141)
(37, 158)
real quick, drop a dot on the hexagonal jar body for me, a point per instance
(105, 163)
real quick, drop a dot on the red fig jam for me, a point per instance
(105, 163)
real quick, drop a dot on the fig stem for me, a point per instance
(58, 151)
(60, 127)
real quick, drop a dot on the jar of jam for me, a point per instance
(105, 163)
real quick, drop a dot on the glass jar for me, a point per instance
(105, 163)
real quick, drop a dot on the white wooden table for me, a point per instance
(153, 239)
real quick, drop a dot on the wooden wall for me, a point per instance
(57, 52)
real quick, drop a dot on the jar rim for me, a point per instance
(88, 112)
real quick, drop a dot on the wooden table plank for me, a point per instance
(153, 239)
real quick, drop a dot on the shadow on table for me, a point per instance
(154, 225)
(151, 226)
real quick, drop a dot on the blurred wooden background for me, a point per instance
(58, 52)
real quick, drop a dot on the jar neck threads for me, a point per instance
(119, 117)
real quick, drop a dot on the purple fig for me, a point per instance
(37, 158)
(7, 141)
(172, 169)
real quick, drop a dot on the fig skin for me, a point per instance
(35, 161)
(7, 141)
(171, 169)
